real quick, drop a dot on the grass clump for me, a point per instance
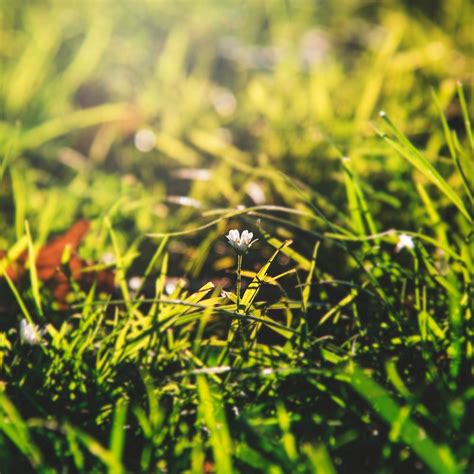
(134, 338)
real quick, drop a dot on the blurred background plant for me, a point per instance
(159, 117)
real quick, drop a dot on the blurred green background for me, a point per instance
(240, 89)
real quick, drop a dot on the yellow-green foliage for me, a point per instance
(337, 132)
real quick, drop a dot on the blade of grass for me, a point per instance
(120, 266)
(452, 147)
(439, 458)
(408, 151)
(212, 412)
(35, 285)
(15, 428)
(79, 119)
(10, 150)
(357, 202)
(117, 435)
(319, 458)
(96, 449)
(309, 278)
(254, 287)
(465, 114)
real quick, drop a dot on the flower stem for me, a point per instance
(239, 279)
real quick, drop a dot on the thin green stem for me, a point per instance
(239, 279)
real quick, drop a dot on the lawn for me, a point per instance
(236, 236)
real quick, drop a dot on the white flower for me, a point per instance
(405, 241)
(30, 334)
(108, 258)
(240, 243)
(135, 282)
(171, 285)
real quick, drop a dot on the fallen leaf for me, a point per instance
(57, 274)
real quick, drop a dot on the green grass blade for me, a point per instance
(465, 114)
(15, 428)
(450, 140)
(120, 264)
(408, 151)
(309, 278)
(288, 440)
(439, 458)
(254, 287)
(319, 459)
(117, 436)
(96, 449)
(79, 119)
(212, 412)
(35, 284)
(19, 189)
(303, 262)
(10, 150)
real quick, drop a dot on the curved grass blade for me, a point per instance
(410, 153)
(450, 140)
(15, 428)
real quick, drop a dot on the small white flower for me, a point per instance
(135, 282)
(240, 243)
(405, 241)
(30, 334)
(171, 285)
(108, 258)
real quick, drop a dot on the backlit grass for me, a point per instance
(339, 134)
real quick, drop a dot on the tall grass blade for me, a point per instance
(212, 412)
(408, 151)
(16, 429)
(254, 287)
(438, 458)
